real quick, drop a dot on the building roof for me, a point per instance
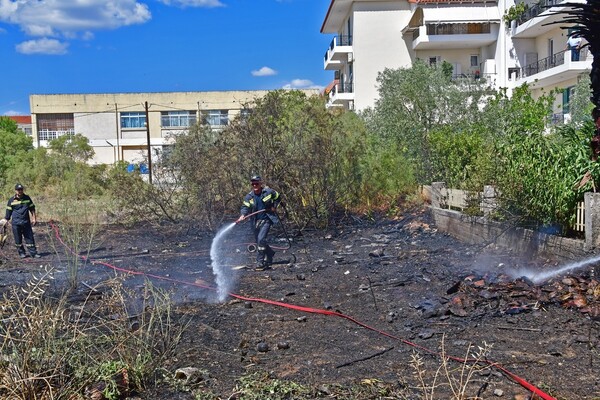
(21, 119)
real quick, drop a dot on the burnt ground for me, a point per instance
(421, 291)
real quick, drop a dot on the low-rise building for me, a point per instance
(23, 123)
(122, 126)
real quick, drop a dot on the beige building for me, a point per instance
(121, 126)
(474, 37)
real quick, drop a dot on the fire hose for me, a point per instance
(251, 247)
(525, 384)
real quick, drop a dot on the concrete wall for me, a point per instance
(377, 44)
(483, 231)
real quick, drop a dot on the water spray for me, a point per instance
(218, 264)
(538, 277)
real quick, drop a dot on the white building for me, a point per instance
(121, 126)
(371, 35)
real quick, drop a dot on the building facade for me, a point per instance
(125, 126)
(23, 123)
(474, 37)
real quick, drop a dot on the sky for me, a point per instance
(124, 46)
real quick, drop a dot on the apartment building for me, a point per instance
(125, 126)
(371, 35)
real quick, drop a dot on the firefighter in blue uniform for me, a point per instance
(20, 207)
(267, 199)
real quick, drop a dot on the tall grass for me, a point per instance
(52, 349)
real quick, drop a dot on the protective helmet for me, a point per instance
(18, 186)
(256, 178)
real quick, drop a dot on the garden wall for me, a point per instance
(481, 230)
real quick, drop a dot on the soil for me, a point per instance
(381, 294)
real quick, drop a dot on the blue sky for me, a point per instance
(113, 46)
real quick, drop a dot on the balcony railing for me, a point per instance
(536, 9)
(342, 88)
(458, 29)
(46, 134)
(340, 40)
(550, 62)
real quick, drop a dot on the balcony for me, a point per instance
(541, 18)
(339, 53)
(454, 36)
(554, 69)
(341, 95)
(453, 27)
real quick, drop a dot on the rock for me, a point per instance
(262, 347)
(377, 253)
(190, 375)
(426, 334)
(498, 392)
(283, 345)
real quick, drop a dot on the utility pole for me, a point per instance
(149, 149)
(118, 158)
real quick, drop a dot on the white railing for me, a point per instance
(46, 134)
(456, 199)
(579, 225)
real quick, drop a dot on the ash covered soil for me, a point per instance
(408, 291)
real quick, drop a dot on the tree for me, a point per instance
(303, 150)
(75, 147)
(14, 146)
(413, 102)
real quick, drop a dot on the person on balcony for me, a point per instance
(574, 44)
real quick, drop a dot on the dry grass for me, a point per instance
(98, 348)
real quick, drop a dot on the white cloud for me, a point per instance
(302, 84)
(13, 112)
(42, 46)
(264, 71)
(68, 17)
(194, 3)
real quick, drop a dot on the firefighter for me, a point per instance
(21, 209)
(263, 201)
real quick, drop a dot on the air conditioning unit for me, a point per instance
(350, 57)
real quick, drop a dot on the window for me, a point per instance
(474, 61)
(133, 120)
(245, 113)
(51, 126)
(169, 119)
(567, 95)
(216, 117)
(434, 60)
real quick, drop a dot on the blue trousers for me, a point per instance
(261, 230)
(24, 231)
